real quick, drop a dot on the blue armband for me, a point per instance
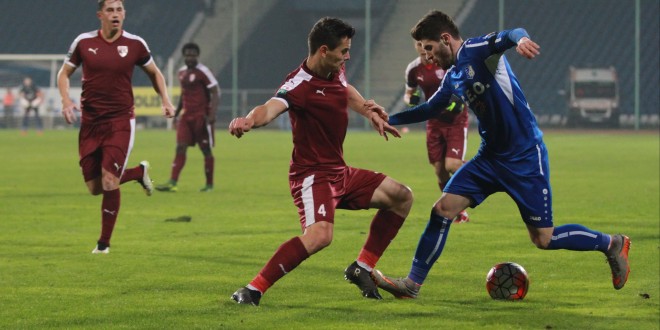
(516, 34)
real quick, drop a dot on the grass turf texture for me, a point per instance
(180, 275)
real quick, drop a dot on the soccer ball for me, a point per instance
(507, 281)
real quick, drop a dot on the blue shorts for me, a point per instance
(526, 179)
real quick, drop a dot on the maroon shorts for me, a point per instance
(318, 194)
(446, 142)
(193, 130)
(105, 145)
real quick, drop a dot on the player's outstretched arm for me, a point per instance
(158, 81)
(259, 116)
(63, 83)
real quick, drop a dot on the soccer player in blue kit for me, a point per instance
(512, 157)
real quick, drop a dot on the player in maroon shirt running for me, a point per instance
(446, 138)
(317, 97)
(199, 100)
(106, 135)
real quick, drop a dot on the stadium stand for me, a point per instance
(272, 41)
(570, 37)
(393, 50)
(277, 44)
(49, 27)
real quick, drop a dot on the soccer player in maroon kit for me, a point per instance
(317, 97)
(106, 136)
(446, 137)
(199, 100)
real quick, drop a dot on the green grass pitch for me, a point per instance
(179, 275)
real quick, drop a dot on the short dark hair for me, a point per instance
(328, 31)
(190, 45)
(432, 25)
(102, 3)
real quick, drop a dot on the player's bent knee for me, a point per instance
(403, 200)
(541, 242)
(405, 194)
(317, 237)
(440, 209)
(109, 182)
(319, 243)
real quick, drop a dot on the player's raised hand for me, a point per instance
(68, 111)
(528, 48)
(240, 126)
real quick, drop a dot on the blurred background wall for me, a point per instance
(252, 44)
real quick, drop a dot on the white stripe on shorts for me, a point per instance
(308, 200)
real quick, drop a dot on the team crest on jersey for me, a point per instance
(469, 71)
(440, 73)
(191, 78)
(123, 50)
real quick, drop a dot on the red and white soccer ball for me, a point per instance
(507, 281)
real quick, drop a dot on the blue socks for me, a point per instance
(429, 247)
(570, 237)
(578, 238)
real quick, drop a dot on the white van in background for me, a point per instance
(593, 96)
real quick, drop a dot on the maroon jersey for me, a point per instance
(195, 85)
(107, 93)
(318, 109)
(428, 78)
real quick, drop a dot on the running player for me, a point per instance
(106, 136)
(512, 157)
(317, 97)
(199, 99)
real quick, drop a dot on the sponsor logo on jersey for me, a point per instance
(321, 91)
(420, 78)
(469, 71)
(191, 78)
(534, 218)
(122, 50)
(93, 50)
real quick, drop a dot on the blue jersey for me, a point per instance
(482, 78)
